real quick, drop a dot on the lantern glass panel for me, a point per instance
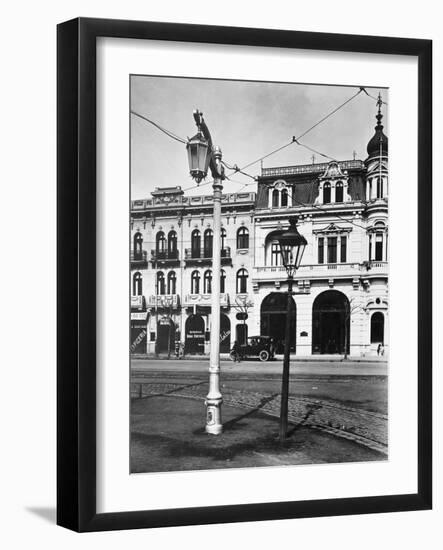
(198, 157)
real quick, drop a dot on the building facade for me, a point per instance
(171, 270)
(341, 289)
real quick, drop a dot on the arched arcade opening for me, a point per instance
(273, 315)
(330, 323)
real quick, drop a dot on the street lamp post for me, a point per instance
(202, 155)
(168, 303)
(292, 246)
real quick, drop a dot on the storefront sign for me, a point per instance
(139, 315)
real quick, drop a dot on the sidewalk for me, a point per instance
(294, 358)
(167, 434)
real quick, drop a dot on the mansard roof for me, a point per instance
(304, 179)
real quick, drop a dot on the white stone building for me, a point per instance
(171, 275)
(341, 289)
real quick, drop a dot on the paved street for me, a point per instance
(348, 367)
(345, 400)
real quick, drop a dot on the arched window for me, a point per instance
(138, 245)
(172, 282)
(377, 328)
(207, 243)
(326, 193)
(243, 238)
(222, 281)
(242, 281)
(284, 197)
(172, 245)
(195, 282)
(137, 284)
(160, 246)
(223, 239)
(207, 282)
(379, 188)
(195, 243)
(339, 192)
(161, 287)
(275, 198)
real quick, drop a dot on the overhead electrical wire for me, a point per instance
(363, 89)
(296, 140)
(167, 132)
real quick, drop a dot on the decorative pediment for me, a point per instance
(332, 228)
(333, 171)
(376, 166)
(376, 304)
(279, 184)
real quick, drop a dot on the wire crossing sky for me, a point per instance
(249, 120)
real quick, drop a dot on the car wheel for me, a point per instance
(264, 355)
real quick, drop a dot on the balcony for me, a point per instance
(164, 301)
(322, 271)
(375, 267)
(202, 256)
(204, 300)
(165, 258)
(138, 303)
(139, 258)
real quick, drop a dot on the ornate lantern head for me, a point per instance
(292, 246)
(199, 156)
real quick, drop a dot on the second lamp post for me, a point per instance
(292, 246)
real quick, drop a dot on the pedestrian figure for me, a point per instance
(378, 349)
(236, 352)
(181, 349)
(272, 348)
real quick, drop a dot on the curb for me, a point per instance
(293, 358)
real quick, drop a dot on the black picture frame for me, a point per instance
(76, 264)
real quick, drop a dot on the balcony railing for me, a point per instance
(139, 256)
(164, 256)
(200, 255)
(351, 269)
(138, 303)
(204, 300)
(166, 301)
(310, 168)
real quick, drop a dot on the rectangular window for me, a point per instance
(321, 250)
(332, 250)
(275, 254)
(343, 249)
(379, 248)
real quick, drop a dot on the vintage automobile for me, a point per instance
(256, 346)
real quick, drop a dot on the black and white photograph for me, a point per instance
(258, 274)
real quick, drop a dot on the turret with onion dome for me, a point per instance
(377, 161)
(378, 144)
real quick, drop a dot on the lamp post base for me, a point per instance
(214, 425)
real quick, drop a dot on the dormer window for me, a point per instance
(275, 198)
(333, 185)
(326, 193)
(339, 191)
(279, 195)
(284, 197)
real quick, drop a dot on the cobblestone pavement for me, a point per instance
(366, 428)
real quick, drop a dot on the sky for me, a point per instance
(247, 120)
